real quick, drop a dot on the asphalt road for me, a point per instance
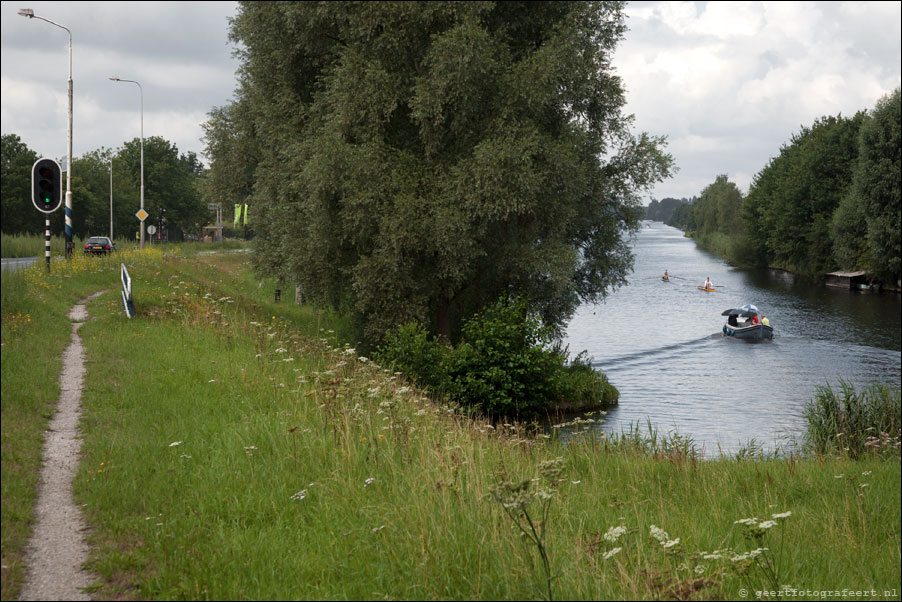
(18, 262)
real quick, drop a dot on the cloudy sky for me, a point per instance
(727, 82)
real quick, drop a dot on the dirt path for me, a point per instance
(58, 549)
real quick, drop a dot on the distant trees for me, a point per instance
(415, 161)
(171, 182)
(16, 211)
(831, 199)
(662, 211)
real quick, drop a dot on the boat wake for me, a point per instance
(655, 355)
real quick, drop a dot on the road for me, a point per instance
(18, 262)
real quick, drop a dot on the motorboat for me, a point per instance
(747, 322)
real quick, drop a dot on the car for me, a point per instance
(99, 245)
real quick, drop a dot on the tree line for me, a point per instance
(418, 161)
(173, 186)
(829, 201)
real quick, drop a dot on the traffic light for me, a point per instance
(46, 185)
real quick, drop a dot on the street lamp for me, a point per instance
(116, 78)
(111, 200)
(27, 12)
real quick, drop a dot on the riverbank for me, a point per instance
(236, 448)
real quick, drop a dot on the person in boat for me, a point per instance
(708, 283)
(764, 320)
(666, 276)
(754, 319)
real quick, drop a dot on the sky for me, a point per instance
(728, 83)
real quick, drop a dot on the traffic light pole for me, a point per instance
(47, 242)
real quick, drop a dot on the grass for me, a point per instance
(235, 448)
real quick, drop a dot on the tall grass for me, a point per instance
(855, 422)
(234, 448)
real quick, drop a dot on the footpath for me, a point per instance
(58, 550)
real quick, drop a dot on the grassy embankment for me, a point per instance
(233, 449)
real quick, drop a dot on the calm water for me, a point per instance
(660, 344)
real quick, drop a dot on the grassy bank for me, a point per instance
(235, 449)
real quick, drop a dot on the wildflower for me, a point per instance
(866, 473)
(746, 521)
(379, 528)
(786, 514)
(368, 482)
(300, 495)
(614, 533)
(613, 552)
(767, 524)
(175, 444)
(659, 534)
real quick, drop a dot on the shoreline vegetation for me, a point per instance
(237, 448)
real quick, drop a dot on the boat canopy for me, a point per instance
(742, 312)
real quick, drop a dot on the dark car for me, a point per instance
(99, 245)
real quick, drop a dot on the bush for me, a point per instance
(506, 365)
(412, 351)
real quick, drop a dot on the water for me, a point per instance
(660, 344)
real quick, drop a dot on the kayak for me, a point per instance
(707, 290)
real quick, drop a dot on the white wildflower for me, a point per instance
(613, 552)
(300, 495)
(175, 443)
(614, 533)
(368, 482)
(659, 534)
(786, 514)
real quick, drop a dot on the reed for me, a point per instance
(855, 422)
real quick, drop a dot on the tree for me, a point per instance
(18, 212)
(421, 159)
(877, 182)
(170, 182)
(791, 202)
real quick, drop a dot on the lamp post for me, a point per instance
(116, 78)
(111, 200)
(27, 12)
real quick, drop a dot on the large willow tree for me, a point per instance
(417, 160)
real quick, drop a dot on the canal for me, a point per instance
(660, 343)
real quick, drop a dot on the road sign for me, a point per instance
(151, 229)
(142, 215)
(127, 303)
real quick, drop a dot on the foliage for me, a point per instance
(417, 161)
(853, 422)
(17, 213)
(867, 225)
(662, 211)
(791, 202)
(505, 365)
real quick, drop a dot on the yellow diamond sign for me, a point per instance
(142, 215)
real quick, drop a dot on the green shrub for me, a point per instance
(506, 365)
(410, 349)
(581, 387)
